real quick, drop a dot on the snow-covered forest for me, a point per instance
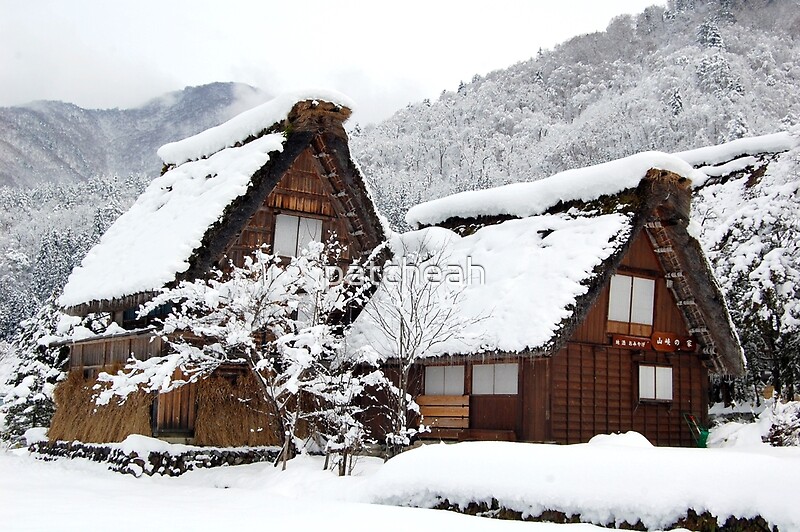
(694, 74)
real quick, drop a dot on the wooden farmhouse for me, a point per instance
(280, 174)
(588, 308)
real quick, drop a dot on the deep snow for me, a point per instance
(610, 479)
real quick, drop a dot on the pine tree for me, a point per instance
(708, 35)
(726, 12)
(716, 76)
(676, 102)
(30, 402)
(737, 128)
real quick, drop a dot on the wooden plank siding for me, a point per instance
(595, 391)
(301, 191)
(446, 415)
(536, 399)
(495, 412)
(594, 387)
(92, 355)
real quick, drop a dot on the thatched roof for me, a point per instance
(547, 259)
(212, 184)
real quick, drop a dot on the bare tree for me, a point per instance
(415, 313)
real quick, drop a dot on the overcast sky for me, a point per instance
(103, 53)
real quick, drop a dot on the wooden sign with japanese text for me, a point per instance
(630, 342)
(670, 342)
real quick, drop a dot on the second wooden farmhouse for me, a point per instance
(588, 308)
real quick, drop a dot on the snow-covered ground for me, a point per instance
(80, 495)
(610, 479)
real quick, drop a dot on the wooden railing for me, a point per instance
(446, 415)
(98, 352)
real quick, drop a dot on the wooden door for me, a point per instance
(174, 412)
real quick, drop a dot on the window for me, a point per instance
(130, 318)
(494, 379)
(444, 380)
(631, 299)
(655, 383)
(293, 233)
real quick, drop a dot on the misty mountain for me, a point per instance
(48, 141)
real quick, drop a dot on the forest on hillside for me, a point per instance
(693, 74)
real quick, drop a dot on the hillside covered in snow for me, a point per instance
(694, 74)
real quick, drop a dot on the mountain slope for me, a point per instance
(60, 142)
(695, 74)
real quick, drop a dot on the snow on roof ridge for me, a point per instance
(244, 125)
(529, 199)
(721, 153)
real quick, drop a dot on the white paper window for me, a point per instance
(293, 233)
(444, 380)
(495, 379)
(664, 384)
(655, 383)
(483, 379)
(631, 299)
(619, 301)
(644, 291)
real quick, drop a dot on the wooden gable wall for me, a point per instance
(301, 191)
(639, 260)
(593, 386)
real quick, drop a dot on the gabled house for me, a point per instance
(279, 174)
(594, 310)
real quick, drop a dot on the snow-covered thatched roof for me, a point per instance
(529, 199)
(709, 158)
(155, 238)
(525, 278)
(546, 249)
(198, 201)
(586, 184)
(249, 124)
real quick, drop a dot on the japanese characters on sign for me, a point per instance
(660, 341)
(670, 342)
(630, 342)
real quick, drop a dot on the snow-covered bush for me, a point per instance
(785, 430)
(281, 319)
(775, 422)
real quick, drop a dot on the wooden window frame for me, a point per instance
(655, 398)
(299, 216)
(494, 365)
(631, 327)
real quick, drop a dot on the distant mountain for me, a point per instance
(698, 72)
(57, 142)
